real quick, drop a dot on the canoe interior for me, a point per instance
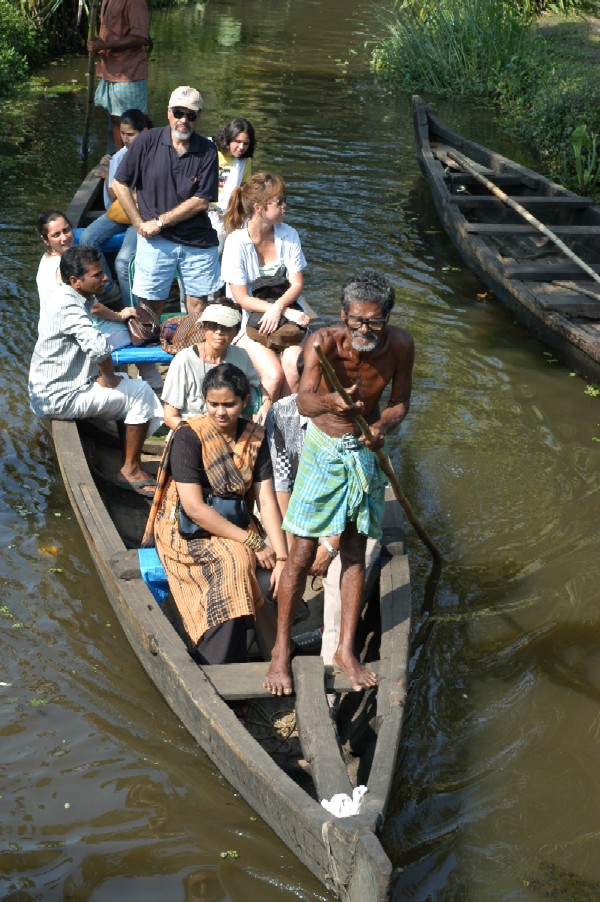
(547, 290)
(284, 755)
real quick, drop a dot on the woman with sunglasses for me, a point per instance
(183, 392)
(258, 242)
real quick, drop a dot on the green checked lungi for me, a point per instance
(338, 481)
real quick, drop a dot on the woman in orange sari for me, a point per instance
(216, 462)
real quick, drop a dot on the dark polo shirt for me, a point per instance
(163, 180)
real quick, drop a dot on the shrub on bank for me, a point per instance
(492, 50)
(21, 44)
(458, 47)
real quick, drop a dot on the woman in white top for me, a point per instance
(258, 242)
(235, 143)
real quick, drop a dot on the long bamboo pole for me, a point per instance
(85, 141)
(464, 163)
(384, 460)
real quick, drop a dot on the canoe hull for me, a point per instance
(566, 322)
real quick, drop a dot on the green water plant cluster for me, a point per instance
(581, 158)
(492, 51)
(471, 48)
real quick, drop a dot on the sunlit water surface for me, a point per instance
(103, 794)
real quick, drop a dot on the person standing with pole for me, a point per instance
(122, 67)
(340, 485)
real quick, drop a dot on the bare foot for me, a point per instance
(278, 679)
(358, 675)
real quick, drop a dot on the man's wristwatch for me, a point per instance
(159, 223)
(333, 552)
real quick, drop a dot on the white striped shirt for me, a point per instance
(66, 354)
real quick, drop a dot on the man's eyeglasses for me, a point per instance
(373, 325)
(278, 201)
(190, 115)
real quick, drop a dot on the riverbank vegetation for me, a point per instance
(504, 52)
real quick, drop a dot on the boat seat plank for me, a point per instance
(570, 305)
(245, 681)
(501, 179)
(482, 200)
(316, 731)
(497, 228)
(531, 272)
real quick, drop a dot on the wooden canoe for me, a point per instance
(344, 853)
(548, 293)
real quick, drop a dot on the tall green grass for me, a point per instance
(460, 47)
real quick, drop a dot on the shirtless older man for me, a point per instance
(339, 489)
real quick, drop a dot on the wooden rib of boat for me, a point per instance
(548, 293)
(344, 853)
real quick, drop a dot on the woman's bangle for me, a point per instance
(281, 559)
(333, 552)
(254, 541)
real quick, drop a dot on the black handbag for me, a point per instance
(270, 288)
(233, 509)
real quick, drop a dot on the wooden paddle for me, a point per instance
(464, 163)
(384, 460)
(85, 141)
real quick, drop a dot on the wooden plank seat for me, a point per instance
(246, 680)
(501, 179)
(507, 228)
(481, 200)
(531, 272)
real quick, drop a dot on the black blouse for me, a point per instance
(187, 464)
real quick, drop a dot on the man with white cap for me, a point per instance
(165, 183)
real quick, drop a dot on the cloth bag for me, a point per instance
(179, 332)
(116, 213)
(287, 334)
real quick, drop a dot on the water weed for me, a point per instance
(459, 47)
(582, 159)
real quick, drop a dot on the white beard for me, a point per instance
(181, 135)
(363, 345)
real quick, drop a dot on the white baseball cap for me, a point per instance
(187, 97)
(221, 314)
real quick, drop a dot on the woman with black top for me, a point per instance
(212, 577)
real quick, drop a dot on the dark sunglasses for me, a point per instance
(190, 115)
(217, 327)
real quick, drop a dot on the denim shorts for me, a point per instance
(157, 260)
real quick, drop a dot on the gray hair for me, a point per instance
(369, 286)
